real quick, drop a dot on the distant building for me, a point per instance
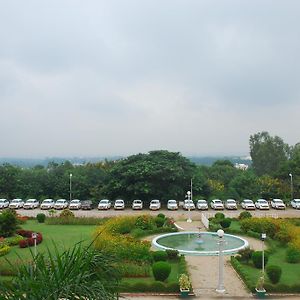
(243, 167)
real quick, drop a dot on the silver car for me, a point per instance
(230, 204)
(202, 204)
(31, 204)
(137, 204)
(119, 204)
(16, 203)
(4, 203)
(262, 204)
(277, 204)
(75, 204)
(172, 205)
(61, 204)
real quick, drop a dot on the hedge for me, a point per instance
(156, 286)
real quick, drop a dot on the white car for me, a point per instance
(16, 203)
(172, 205)
(4, 203)
(47, 204)
(75, 204)
(31, 204)
(154, 204)
(248, 204)
(217, 204)
(119, 204)
(278, 204)
(295, 203)
(104, 204)
(262, 204)
(61, 204)
(137, 204)
(202, 204)
(230, 204)
(188, 205)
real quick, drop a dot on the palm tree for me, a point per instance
(78, 273)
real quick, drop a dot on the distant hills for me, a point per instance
(31, 162)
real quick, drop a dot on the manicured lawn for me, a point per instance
(63, 236)
(235, 225)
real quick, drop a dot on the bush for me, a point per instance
(161, 216)
(161, 270)
(214, 226)
(274, 273)
(14, 240)
(144, 222)
(4, 250)
(292, 255)
(41, 218)
(257, 259)
(133, 269)
(66, 213)
(159, 222)
(219, 216)
(225, 223)
(29, 242)
(245, 254)
(159, 256)
(244, 215)
(8, 222)
(172, 254)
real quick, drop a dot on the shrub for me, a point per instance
(214, 226)
(257, 259)
(4, 250)
(159, 255)
(172, 254)
(225, 223)
(159, 222)
(144, 222)
(14, 240)
(245, 254)
(292, 255)
(25, 233)
(41, 218)
(29, 242)
(133, 269)
(184, 282)
(66, 213)
(219, 216)
(244, 215)
(274, 273)
(8, 222)
(161, 216)
(161, 270)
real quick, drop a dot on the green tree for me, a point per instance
(8, 223)
(268, 153)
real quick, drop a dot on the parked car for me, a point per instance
(137, 204)
(230, 204)
(262, 204)
(47, 204)
(87, 204)
(217, 204)
(172, 204)
(119, 204)
(295, 203)
(75, 204)
(154, 204)
(278, 204)
(104, 204)
(31, 204)
(4, 203)
(188, 204)
(248, 204)
(61, 204)
(202, 204)
(16, 203)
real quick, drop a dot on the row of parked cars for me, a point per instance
(155, 204)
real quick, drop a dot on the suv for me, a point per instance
(154, 204)
(172, 205)
(75, 204)
(47, 204)
(16, 203)
(248, 204)
(202, 204)
(262, 204)
(188, 205)
(61, 204)
(119, 204)
(104, 204)
(277, 204)
(217, 204)
(230, 204)
(31, 203)
(137, 204)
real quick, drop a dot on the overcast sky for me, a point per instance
(93, 78)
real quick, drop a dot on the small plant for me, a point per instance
(160, 256)
(161, 270)
(41, 218)
(225, 223)
(66, 213)
(219, 216)
(257, 259)
(52, 212)
(274, 273)
(184, 282)
(172, 254)
(159, 222)
(161, 216)
(244, 215)
(245, 254)
(260, 283)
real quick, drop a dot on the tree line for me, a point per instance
(163, 175)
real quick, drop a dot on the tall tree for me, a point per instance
(268, 153)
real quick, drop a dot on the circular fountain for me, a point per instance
(199, 243)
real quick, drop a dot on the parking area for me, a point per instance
(179, 214)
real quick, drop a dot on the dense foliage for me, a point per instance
(274, 273)
(161, 270)
(8, 223)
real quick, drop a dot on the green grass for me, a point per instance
(63, 236)
(235, 225)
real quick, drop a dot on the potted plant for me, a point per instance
(260, 290)
(184, 285)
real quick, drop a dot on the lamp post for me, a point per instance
(263, 238)
(220, 288)
(189, 220)
(71, 186)
(292, 187)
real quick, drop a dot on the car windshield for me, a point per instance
(104, 201)
(218, 201)
(31, 201)
(297, 200)
(261, 201)
(47, 201)
(188, 201)
(277, 200)
(231, 201)
(16, 201)
(202, 201)
(60, 201)
(119, 201)
(172, 202)
(248, 201)
(75, 201)
(137, 202)
(2, 200)
(154, 202)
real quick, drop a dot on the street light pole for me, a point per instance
(292, 187)
(220, 288)
(71, 186)
(263, 237)
(189, 220)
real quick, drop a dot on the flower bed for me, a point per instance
(29, 240)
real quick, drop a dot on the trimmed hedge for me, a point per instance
(257, 259)
(274, 273)
(41, 218)
(159, 256)
(156, 286)
(161, 270)
(292, 255)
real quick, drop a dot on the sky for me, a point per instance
(102, 78)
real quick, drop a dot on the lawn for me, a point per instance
(63, 236)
